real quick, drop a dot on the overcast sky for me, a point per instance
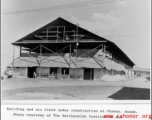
(126, 23)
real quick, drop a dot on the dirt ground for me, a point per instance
(48, 89)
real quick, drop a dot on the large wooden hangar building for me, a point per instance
(66, 50)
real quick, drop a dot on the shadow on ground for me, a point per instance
(127, 93)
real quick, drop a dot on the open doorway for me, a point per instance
(65, 71)
(31, 71)
(88, 73)
(53, 70)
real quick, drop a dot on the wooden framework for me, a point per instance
(61, 35)
(70, 47)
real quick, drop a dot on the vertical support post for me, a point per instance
(70, 60)
(40, 61)
(104, 51)
(47, 33)
(20, 51)
(70, 51)
(91, 74)
(76, 51)
(102, 55)
(112, 72)
(102, 60)
(74, 35)
(77, 32)
(57, 33)
(76, 62)
(70, 55)
(128, 73)
(13, 58)
(64, 33)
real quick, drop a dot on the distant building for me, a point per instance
(68, 51)
(141, 72)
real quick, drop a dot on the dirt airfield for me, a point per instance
(49, 89)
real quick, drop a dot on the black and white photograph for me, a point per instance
(75, 50)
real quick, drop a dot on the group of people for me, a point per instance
(53, 75)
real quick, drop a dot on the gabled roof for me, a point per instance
(89, 40)
(88, 36)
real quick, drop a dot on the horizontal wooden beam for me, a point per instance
(54, 41)
(50, 32)
(47, 36)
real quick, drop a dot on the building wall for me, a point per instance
(75, 71)
(99, 73)
(103, 71)
(112, 72)
(43, 70)
(115, 72)
(109, 72)
(64, 75)
(23, 72)
(130, 74)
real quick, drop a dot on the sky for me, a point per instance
(124, 22)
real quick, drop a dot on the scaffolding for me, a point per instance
(55, 40)
(42, 59)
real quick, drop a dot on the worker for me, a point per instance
(34, 75)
